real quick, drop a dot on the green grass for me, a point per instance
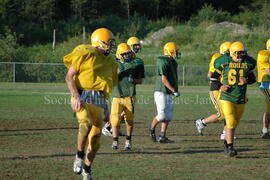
(38, 139)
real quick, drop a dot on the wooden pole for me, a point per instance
(53, 45)
(84, 38)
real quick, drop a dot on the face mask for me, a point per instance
(127, 57)
(106, 53)
(241, 55)
(178, 55)
(136, 48)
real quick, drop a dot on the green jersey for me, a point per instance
(167, 67)
(139, 67)
(126, 73)
(232, 72)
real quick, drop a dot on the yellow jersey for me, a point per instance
(95, 71)
(214, 86)
(211, 64)
(263, 62)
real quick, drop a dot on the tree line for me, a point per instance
(32, 20)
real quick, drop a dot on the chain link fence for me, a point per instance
(191, 75)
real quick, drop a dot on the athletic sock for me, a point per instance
(162, 134)
(226, 144)
(80, 154)
(115, 139)
(264, 130)
(87, 168)
(128, 138)
(204, 124)
(230, 145)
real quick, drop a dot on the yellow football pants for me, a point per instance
(118, 106)
(123, 112)
(214, 96)
(232, 113)
(266, 93)
(90, 119)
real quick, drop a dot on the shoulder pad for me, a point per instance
(216, 55)
(84, 49)
(264, 53)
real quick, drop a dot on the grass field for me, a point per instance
(38, 137)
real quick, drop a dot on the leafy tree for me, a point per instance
(77, 6)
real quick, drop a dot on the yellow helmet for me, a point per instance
(225, 47)
(103, 38)
(171, 49)
(134, 44)
(124, 52)
(238, 51)
(268, 44)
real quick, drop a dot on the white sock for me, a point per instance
(203, 121)
(264, 130)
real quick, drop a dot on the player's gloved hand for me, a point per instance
(176, 94)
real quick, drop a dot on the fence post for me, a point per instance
(84, 35)
(53, 44)
(183, 76)
(14, 72)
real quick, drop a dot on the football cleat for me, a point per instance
(128, 145)
(231, 151)
(87, 175)
(199, 125)
(152, 135)
(78, 165)
(265, 135)
(115, 145)
(106, 131)
(164, 140)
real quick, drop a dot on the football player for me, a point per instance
(166, 87)
(135, 46)
(236, 71)
(214, 91)
(263, 67)
(123, 94)
(92, 72)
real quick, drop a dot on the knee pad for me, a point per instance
(220, 116)
(94, 139)
(231, 123)
(129, 122)
(161, 116)
(84, 129)
(115, 120)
